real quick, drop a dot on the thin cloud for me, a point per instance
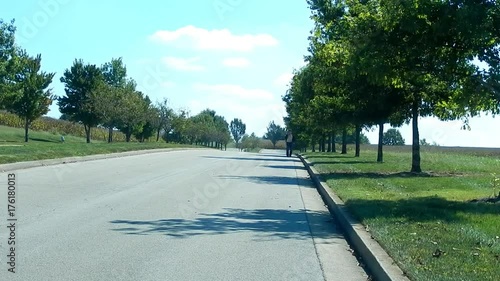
(217, 39)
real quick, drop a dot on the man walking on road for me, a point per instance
(290, 139)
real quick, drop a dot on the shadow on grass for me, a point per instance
(276, 180)
(372, 175)
(43, 140)
(342, 162)
(420, 209)
(262, 223)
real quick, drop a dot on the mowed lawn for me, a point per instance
(43, 145)
(425, 221)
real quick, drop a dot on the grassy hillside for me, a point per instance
(44, 145)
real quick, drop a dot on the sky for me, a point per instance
(233, 56)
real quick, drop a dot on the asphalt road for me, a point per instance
(181, 215)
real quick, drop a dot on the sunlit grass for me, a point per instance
(43, 145)
(425, 221)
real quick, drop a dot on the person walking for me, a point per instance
(289, 139)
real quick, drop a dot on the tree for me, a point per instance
(34, 98)
(7, 52)
(274, 133)
(238, 129)
(393, 137)
(146, 128)
(133, 117)
(107, 103)
(108, 97)
(80, 80)
(165, 118)
(250, 142)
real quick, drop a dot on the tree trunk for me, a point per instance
(158, 135)
(334, 148)
(128, 134)
(415, 161)
(87, 132)
(26, 128)
(358, 140)
(344, 141)
(329, 143)
(110, 134)
(380, 153)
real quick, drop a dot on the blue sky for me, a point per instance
(233, 56)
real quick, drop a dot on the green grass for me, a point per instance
(424, 221)
(43, 145)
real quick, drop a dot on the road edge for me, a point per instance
(379, 264)
(57, 161)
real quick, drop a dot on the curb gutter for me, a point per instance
(50, 162)
(380, 265)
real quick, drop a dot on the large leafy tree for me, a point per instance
(274, 133)
(165, 118)
(109, 98)
(80, 81)
(133, 117)
(238, 129)
(393, 137)
(34, 97)
(108, 102)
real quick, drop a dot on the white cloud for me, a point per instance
(217, 39)
(183, 64)
(234, 91)
(236, 62)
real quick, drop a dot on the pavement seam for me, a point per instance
(309, 226)
(379, 264)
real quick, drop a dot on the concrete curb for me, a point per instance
(380, 265)
(50, 162)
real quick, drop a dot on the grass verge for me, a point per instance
(424, 221)
(43, 145)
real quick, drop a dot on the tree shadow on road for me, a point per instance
(272, 159)
(263, 224)
(285, 167)
(275, 180)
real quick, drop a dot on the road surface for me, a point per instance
(181, 215)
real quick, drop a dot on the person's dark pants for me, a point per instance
(289, 149)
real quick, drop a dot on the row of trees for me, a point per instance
(101, 96)
(375, 62)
